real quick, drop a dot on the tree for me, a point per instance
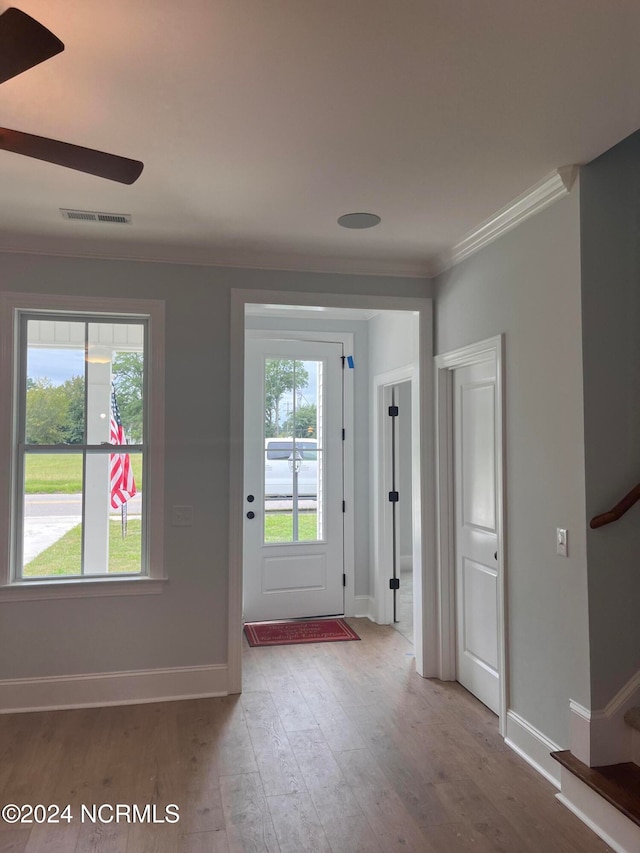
(281, 376)
(74, 390)
(56, 413)
(47, 413)
(306, 422)
(128, 380)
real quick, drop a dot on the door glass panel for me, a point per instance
(293, 450)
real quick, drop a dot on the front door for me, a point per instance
(293, 527)
(476, 531)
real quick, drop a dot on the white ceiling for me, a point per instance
(262, 121)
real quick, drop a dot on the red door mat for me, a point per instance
(298, 631)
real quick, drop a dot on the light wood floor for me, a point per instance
(332, 747)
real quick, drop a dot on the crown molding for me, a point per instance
(249, 259)
(552, 188)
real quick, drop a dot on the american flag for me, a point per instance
(122, 484)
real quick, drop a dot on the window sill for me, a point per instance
(38, 590)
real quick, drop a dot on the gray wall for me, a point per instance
(393, 340)
(360, 330)
(610, 226)
(187, 624)
(527, 285)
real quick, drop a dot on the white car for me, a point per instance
(280, 462)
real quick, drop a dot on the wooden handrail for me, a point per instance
(618, 511)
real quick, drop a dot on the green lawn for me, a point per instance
(48, 473)
(279, 526)
(63, 557)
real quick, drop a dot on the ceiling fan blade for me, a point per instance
(24, 43)
(99, 163)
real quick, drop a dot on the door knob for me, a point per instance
(250, 498)
(251, 514)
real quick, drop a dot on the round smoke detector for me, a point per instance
(359, 220)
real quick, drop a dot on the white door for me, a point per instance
(293, 526)
(476, 531)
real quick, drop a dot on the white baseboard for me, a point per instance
(363, 606)
(533, 746)
(601, 817)
(112, 688)
(602, 737)
(580, 732)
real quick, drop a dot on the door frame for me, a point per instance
(382, 523)
(348, 402)
(445, 364)
(426, 645)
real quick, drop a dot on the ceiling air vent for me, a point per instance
(95, 216)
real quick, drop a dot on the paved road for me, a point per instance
(41, 506)
(49, 517)
(280, 504)
(49, 506)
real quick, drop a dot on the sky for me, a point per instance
(58, 365)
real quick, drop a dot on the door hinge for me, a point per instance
(343, 358)
(394, 497)
(344, 580)
(394, 583)
(344, 506)
(393, 411)
(343, 434)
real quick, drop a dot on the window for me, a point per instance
(84, 443)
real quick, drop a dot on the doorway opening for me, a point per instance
(402, 509)
(374, 333)
(396, 488)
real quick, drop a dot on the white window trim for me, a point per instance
(10, 306)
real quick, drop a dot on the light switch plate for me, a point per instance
(182, 516)
(562, 542)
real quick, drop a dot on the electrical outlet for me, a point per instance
(562, 542)
(182, 516)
